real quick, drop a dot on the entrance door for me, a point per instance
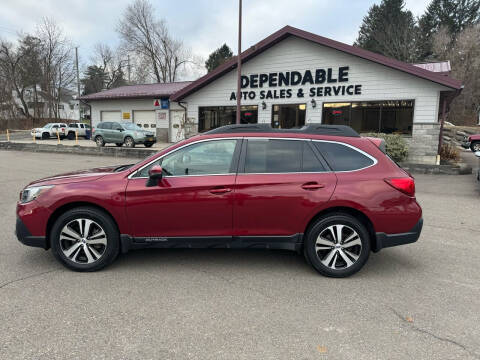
(177, 125)
(193, 199)
(288, 116)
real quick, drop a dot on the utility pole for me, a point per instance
(78, 83)
(239, 61)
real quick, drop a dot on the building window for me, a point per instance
(288, 116)
(386, 116)
(211, 117)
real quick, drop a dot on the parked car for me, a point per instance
(472, 142)
(50, 130)
(122, 133)
(80, 128)
(321, 190)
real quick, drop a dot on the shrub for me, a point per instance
(449, 152)
(395, 144)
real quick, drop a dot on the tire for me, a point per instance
(148, 144)
(62, 137)
(475, 146)
(99, 141)
(45, 136)
(119, 144)
(129, 142)
(75, 251)
(330, 258)
(71, 136)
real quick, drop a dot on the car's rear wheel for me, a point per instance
(148, 144)
(85, 239)
(119, 144)
(337, 245)
(71, 135)
(99, 141)
(129, 142)
(475, 146)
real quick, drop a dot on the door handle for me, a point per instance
(312, 186)
(218, 191)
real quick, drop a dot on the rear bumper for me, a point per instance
(24, 236)
(466, 144)
(388, 240)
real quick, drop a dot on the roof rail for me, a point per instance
(312, 128)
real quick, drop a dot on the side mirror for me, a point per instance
(477, 154)
(155, 174)
(120, 129)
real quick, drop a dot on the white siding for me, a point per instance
(295, 54)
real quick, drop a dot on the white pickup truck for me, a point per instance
(80, 128)
(50, 130)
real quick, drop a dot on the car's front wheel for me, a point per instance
(337, 245)
(475, 146)
(85, 239)
(129, 142)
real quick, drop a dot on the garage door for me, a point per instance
(145, 119)
(111, 116)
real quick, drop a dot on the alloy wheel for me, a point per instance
(83, 241)
(476, 146)
(338, 246)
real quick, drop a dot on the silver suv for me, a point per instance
(122, 133)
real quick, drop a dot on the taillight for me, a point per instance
(405, 185)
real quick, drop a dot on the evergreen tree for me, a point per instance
(391, 30)
(218, 57)
(454, 15)
(94, 80)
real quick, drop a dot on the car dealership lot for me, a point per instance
(417, 301)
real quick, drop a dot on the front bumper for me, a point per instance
(24, 236)
(146, 139)
(383, 240)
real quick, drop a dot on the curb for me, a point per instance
(78, 150)
(461, 169)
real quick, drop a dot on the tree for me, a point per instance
(57, 62)
(389, 29)
(144, 34)
(94, 80)
(218, 57)
(112, 64)
(454, 15)
(464, 55)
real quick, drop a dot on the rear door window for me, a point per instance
(310, 162)
(341, 157)
(273, 156)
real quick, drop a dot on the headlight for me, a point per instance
(33, 192)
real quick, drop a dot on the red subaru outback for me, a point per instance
(321, 190)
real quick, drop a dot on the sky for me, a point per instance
(203, 25)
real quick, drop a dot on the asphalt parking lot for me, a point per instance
(419, 301)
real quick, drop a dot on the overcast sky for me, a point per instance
(203, 25)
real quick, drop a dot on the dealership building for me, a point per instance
(290, 79)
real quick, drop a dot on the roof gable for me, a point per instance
(291, 31)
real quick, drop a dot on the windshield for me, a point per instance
(48, 126)
(131, 126)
